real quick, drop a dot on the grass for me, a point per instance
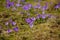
(42, 30)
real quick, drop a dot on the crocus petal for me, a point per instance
(13, 23)
(25, 7)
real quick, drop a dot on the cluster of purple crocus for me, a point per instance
(43, 16)
(13, 24)
(10, 21)
(30, 21)
(15, 29)
(28, 6)
(9, 4)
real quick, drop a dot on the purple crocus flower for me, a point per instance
(46, 15)
(27, 7)
(13, 23)
(57, 6)
(43, 16)
(16, 28)
(38, 16)
(9, 4)
(44, 7)
(8, 31)
(28, 20)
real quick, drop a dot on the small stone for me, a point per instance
(14, 8)
(23, 0)
(6, 23)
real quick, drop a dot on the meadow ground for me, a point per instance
(29, 20)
